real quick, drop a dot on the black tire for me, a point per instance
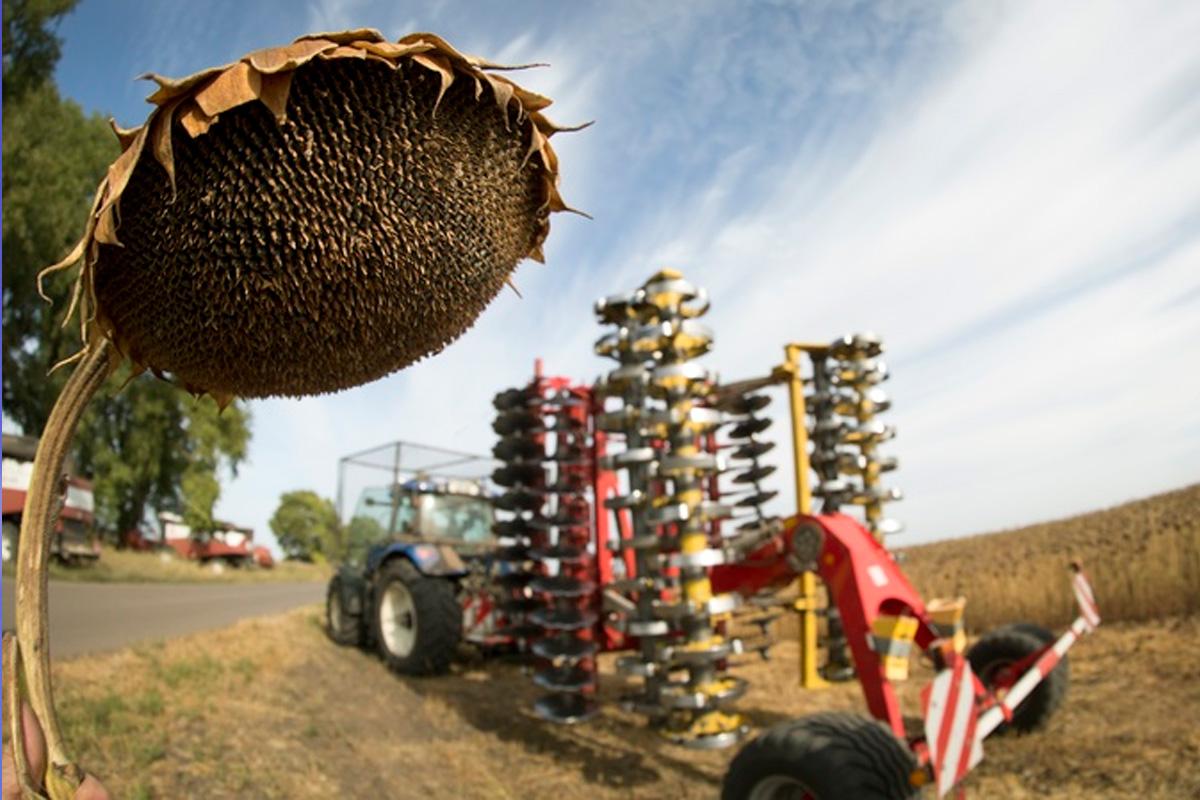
(432, 628)
(1007, 645)
(829, 756)
(342, 627)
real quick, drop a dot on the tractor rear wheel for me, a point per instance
(417, 620)
(825, 756)
(993, 658)
(343, 627)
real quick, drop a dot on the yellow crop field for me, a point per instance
(1143, 559)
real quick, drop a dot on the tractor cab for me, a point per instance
(457, 513)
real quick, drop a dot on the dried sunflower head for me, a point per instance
(315, 216)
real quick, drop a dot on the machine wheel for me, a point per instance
(417, 620)
(11, 533)
(826, 756)
(992, 658)
(343, 627)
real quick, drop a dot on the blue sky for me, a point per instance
(1008, 192)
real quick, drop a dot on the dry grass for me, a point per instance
(271, 709)
(128, 566)
(1143, 559)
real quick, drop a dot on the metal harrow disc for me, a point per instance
(563, 619)
(518, 448)
(752, 450)
(568, 650)
(562, 586)
(566, 709)
(560, 552)
(743, 403)
(750, 427)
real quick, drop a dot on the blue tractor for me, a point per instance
(420, 589)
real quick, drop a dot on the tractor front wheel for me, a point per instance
(825, 756)
(417, 620)
(343, 627)
(996, 657)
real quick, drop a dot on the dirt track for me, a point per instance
(95, 617)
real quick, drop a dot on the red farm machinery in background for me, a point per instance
(75, 539)
(632, 518)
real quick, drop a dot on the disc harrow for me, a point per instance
(681, 557)
(847, 433)
(548, 584)
(672, 468)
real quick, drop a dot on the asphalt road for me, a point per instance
(95, 617)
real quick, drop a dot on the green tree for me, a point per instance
(306, 525)
(217, 440)
(54, 156)
(150, 444)
(357, 538)
(31, 48)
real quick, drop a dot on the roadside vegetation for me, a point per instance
(128, 566)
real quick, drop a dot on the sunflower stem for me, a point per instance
(38, 522)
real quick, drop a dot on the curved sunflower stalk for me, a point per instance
(29, 654)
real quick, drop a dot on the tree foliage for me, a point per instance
(307, 525)
(54, 156)
(149, 445)
(359, 536)
(30, 47)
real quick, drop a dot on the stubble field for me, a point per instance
(270, 708)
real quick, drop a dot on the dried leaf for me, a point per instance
(392, 50)
(160, 142)
(344, 52)
(172, 87)
(237, 85)
(346, 37)
(223, 400)
(445, 72)
(502, 92)
(84, 245)
(530, 101)
(437, 42)
(116, 179)
(194, 120)
(124, 135)
(135, 371)
(276, 59)
(275, 90)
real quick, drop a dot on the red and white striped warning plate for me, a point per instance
(1086, 599)
(950, 717)
(478, 622)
